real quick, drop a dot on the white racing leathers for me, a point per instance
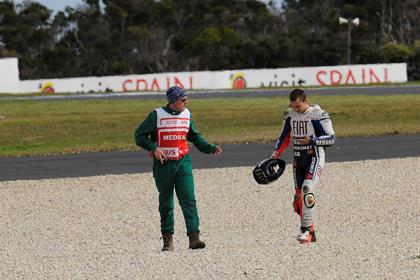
(308, 159)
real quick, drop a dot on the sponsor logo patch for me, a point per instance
(171, 152)
(238, 81)
(174, 137)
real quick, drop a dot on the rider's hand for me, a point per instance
(305, 141)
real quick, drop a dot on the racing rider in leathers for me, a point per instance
(310, 129)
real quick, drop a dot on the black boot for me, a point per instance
(168, 243)
(195, 242)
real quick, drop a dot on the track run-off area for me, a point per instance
(95, 216)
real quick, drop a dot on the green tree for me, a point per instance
(394, 52)
(149, 36)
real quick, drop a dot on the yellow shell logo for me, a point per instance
(237, 81)
(47, 88)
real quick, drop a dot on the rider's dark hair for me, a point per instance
(297, 93)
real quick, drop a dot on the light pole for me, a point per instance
(356, 22)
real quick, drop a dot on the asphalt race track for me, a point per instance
(89, 164)
(267, 92)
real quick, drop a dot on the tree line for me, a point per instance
(118, 37)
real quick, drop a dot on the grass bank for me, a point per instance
(72, 126)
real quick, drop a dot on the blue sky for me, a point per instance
(56, 5)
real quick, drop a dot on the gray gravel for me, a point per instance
(107, 227)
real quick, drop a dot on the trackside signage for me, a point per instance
(213, 80)
(321, 76)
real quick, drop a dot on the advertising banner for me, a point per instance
(347, 75)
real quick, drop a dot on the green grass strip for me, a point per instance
(73, 126)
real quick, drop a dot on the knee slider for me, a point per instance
(309, 200)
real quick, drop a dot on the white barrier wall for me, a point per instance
(9, 75)
(228, 79)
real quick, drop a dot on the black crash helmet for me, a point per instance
(268, 170)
